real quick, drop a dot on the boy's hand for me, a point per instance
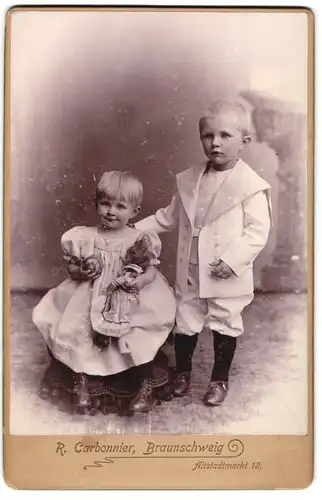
(220, 269)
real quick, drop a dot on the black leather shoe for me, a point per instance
(181, 384)
(144, 399)
(216, 394)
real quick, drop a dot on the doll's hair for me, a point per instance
(139, 253)
(241, 112)
(120, 185)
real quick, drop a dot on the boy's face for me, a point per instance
(222, 139)
(114, 213)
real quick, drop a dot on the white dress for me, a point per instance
(68, 316)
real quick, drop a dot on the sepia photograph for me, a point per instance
(158, 174)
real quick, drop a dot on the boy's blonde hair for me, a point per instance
(120, 185)
(242, 113)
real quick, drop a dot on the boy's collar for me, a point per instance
(239, 184)
(211, 167)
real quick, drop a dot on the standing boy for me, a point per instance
(223, 212)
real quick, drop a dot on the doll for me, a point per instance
(120, 298)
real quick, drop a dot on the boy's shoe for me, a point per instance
(144, 399)
(216, 394)
(181, 384)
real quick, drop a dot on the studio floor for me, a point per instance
(267, 387)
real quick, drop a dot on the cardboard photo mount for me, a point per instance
(158, 461)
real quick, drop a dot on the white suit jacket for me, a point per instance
(236, 228)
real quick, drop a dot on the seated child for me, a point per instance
(104, 331)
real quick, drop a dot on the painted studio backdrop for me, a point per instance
(107, 90)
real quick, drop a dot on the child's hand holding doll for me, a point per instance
(136, 281)
(220, 269)
(137, 272)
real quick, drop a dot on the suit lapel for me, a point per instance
(188, 186)
(240, 183)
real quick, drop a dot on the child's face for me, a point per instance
(222, 139)
(114, 213)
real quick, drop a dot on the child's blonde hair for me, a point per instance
(241, 112)
(120, 185)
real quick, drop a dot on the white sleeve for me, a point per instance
(245, 249)
(165, 219)
(76, 242)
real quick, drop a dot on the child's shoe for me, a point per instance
(181, 384)
(216, 394)
(144, 399)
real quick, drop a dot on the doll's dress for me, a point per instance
(118, 310)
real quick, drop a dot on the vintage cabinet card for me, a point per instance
(158, 260)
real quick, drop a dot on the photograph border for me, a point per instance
(280, 461)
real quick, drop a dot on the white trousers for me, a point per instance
(220, 314)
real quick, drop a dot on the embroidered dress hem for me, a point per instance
(112, 394)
